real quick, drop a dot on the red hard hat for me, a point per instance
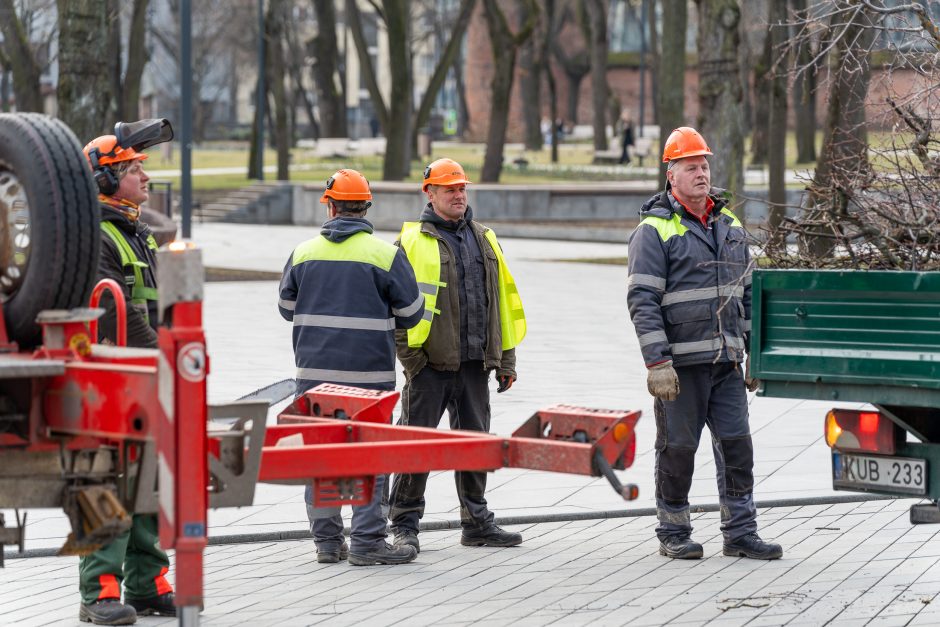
(684, 142)
(347, 185)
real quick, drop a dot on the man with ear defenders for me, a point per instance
(127, 256)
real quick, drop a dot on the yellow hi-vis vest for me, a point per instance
(424, 255)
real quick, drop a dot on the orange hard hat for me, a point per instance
(106, 151)
(444, 172)
(347, 185)
(684, 142)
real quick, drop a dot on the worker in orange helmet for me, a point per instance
(473, 322)
(346, 291)
(689, 295)
(128, 257)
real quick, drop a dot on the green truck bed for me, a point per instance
(848, 335)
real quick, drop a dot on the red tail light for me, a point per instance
(867, 431)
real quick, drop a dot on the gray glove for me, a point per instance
(662, 381)
(750, 382)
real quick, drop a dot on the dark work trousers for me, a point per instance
(134, 558)
(367, 531)
(712, 395)
(423, 400)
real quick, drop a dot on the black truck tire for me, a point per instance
(49, 233)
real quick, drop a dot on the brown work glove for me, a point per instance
(750, 382)
(662, 381)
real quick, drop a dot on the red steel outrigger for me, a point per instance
(108, 424)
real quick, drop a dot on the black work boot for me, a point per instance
(384, 554)
(332, 557)
(490, 536)
(107, 612)
(753, 547)
(407, 538)
(680, 548)
(160, 605)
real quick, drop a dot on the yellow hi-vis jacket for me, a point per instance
(424, 255)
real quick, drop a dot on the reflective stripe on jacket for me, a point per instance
(423, 252)
(346, 298)
(133, 267)
(128, 256)
(689, 288)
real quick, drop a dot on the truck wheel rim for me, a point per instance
(14, 233)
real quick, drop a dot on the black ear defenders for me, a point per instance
(104, 175)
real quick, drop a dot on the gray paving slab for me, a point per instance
(576, 354)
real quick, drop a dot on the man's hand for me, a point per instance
(749, 381)
(662, 381)
(505, 382)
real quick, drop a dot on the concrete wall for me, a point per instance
(394, 203)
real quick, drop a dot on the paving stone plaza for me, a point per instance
(588, 557)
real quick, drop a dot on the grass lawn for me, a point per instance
(307, 167)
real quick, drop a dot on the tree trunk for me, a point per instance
(575, 65)
(804, 97)
(85, 96)
(844, 156)
(574, 95)
(721, 97)
(654, 58)
(505, 45)
(671, 105)
(530, 88)
(777, 124)
(446, 61)
(325, 53)
(763, 83)
(137, 56)
(399, 122)
(463, 111)
(22, 61)
(254, 173)
(550, 76)
(597, 10)
(275, 24)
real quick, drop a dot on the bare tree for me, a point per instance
(399, 119)
(720, 91)
(127, 83)
(804, 91)
(330, 99)
(671, 104)
(872, 207)
(531, 65)
(276, 23)
(85, 93)
(505, 44)
(777, 119)
(20, 59)
(654, 56)
(597, 12)
(761, 72)
(574, 63)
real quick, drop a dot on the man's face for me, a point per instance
(690, 178)
(133, 186)
(448, 201)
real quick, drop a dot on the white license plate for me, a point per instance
(900, 475)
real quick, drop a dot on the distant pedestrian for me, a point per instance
(626, 139)
(346, 291)
(689, 295)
